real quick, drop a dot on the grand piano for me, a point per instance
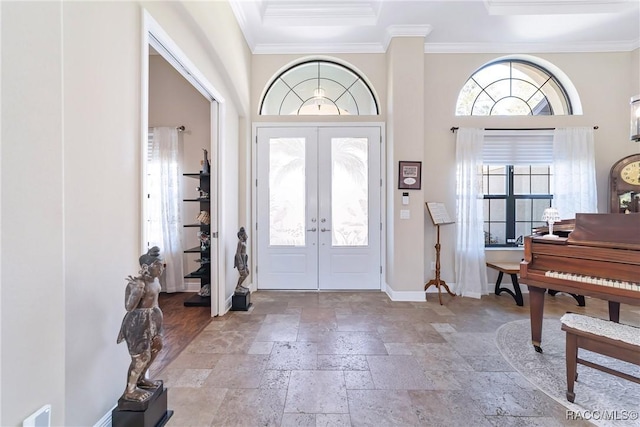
(599, 258)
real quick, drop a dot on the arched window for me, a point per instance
(319, 87)
(513, 87)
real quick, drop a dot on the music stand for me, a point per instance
(439, 216)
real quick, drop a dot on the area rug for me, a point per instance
(603, 399)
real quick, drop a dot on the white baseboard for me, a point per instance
(414, 296)
(227, 304)
(406, 296)
(475, 295)
(106, 420)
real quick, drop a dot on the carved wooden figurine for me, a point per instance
(241, 261)
(142, 326)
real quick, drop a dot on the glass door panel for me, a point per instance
(349, 192)
(287, 193)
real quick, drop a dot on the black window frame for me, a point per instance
(511, 240)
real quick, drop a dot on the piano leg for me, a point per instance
(614, 311)
(536, 308)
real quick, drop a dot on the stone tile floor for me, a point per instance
(360, 359)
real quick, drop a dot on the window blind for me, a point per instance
(514, 147)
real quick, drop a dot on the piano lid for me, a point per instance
(606, 230)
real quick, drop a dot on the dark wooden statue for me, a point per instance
(241, 261)
(142, 326)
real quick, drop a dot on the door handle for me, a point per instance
(312, 229)
(325, 229)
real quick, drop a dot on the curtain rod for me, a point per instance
(455, 128)
(180, 128)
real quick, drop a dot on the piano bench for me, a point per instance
(600, 336)
(513, 269)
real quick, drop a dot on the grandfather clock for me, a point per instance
(624, 185)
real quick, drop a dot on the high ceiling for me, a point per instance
(366, 26)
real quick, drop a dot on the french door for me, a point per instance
(318, 208)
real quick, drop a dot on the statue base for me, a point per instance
(149, 413)
(241, 301)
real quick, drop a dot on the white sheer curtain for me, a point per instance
(165, 200)
(574, 170)
(471, 271)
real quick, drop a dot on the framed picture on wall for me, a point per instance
(410, 175)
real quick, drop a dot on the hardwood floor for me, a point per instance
(181, 325)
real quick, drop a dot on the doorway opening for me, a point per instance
(163, 57)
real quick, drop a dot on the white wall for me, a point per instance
(32, 174)
(70, 193)
(634, 75)
(214, 24)
(102, 196)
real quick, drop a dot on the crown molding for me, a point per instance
(409, 30)
(243, 22)
(239, 13)
(405, 31)
(333, 48)
(315, 48)
(552, 7)
(292, 13)
(622, 46)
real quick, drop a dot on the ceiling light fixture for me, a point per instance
(319, 97)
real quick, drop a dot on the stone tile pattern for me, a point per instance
(360, 359)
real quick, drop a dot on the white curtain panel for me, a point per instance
(471, 271)
(165, 199)
(574, 182)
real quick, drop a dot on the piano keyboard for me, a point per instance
(632, 286)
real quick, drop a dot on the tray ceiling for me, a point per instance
(363, 26)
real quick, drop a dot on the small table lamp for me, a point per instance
(551, 215)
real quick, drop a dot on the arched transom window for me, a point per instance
(513, 88)
(319, 88)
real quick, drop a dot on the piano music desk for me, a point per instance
(512, 269)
